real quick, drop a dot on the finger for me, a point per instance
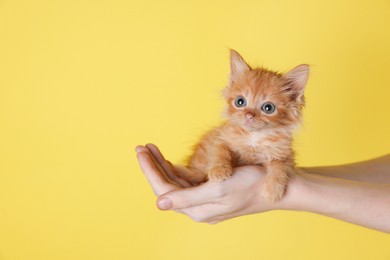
(176, 177)
(167, 166)
(160, 169)
(140, 148)
(153, 175)
(156, 152)
(191, 197)
(195, 179)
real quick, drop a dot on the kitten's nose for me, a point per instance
(249, 116)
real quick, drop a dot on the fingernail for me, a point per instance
(164, 203)
(139, 148)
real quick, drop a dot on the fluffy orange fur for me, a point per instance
(251, 134)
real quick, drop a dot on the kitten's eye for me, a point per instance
(268, 108)
(240, 101)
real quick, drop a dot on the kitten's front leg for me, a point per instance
(220, 164)
(276, 180)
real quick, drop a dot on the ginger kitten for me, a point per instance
(263, 109)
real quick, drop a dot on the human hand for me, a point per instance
(210, 202)
(213, 202)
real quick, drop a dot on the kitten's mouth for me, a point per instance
(253, 125)
(250, 125)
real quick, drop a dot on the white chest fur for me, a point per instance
(256, 138)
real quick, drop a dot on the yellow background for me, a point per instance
(83, 82)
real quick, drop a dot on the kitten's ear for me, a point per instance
(296, 81)
(237, 65)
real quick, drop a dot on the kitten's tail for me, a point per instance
(192, 175)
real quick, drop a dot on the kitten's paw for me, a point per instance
(220, 173)
(273, 192)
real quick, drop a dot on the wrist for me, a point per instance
(314, 193)
(293, 197)
(305, 192)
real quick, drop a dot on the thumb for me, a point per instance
(190, 197)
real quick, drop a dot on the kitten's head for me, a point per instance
(262, 99)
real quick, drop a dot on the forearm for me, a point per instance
(374, 171)
(360, 203)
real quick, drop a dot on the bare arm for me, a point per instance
(374, 171)
(365, 204)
